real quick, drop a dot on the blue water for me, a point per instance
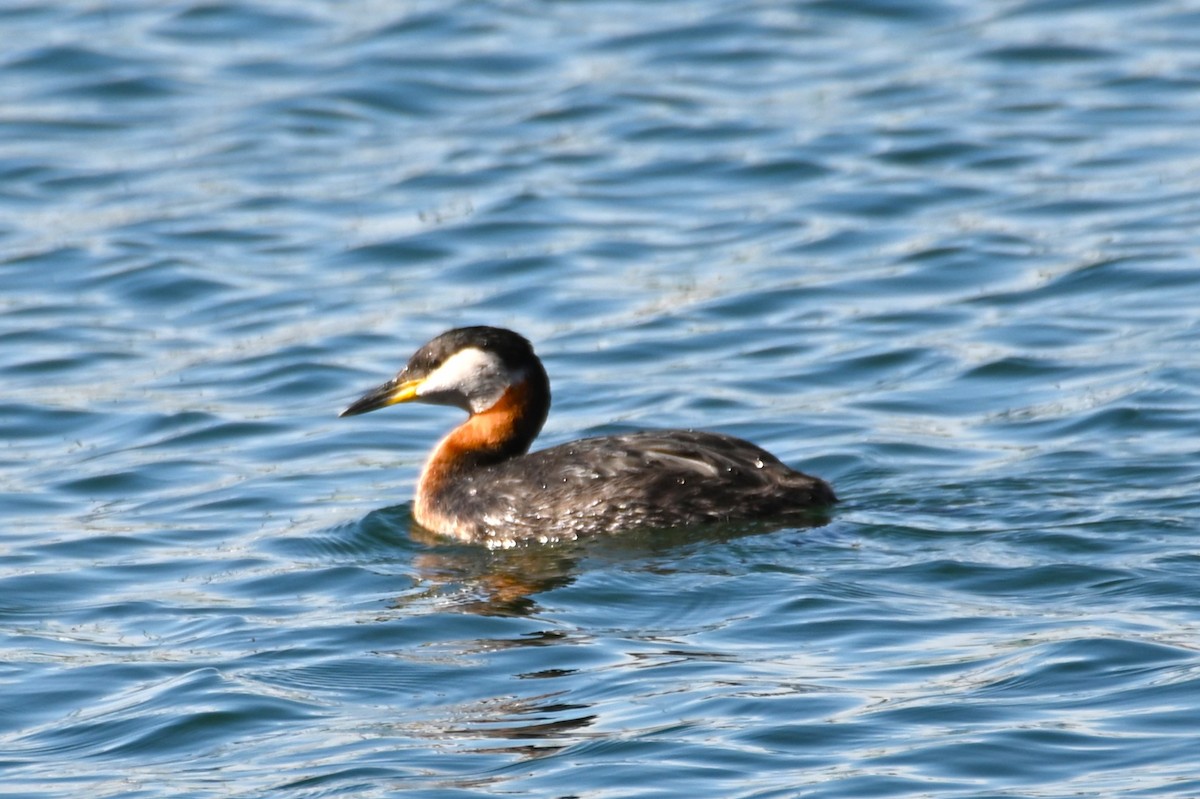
(943, 254)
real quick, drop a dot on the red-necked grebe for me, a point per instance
(482, 484)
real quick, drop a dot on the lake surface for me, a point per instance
(943, 254)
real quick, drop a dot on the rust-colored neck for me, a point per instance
(503, 431)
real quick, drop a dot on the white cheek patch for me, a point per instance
(471, 379)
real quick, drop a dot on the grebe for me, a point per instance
(481, 483)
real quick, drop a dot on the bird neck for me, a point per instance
(503, 431)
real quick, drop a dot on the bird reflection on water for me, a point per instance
(506, 582)
(505, 586)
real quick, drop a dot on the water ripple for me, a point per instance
(940, 253)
